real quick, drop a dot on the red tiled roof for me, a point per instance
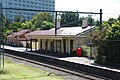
(43, 33)
(18, 33)
(11, 35)
(21, 32)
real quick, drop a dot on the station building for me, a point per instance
(67, 39)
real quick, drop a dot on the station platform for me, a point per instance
(71, 59)
(79, 60)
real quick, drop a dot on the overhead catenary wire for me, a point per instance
(50, 11)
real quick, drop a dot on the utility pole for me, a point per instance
(55, 23)
(1, 39)
(101, 19)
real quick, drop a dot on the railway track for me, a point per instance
(51, 64)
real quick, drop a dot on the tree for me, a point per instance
(15, 26)
(108, 41)
(7, 23)
(47, 25)
(111, 21)
(19, 18)
(38, 19)
(118, 18)
(2, 19)
(69, 19)
(90, 20)
(81, 20)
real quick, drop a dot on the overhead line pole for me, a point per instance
(101, 19)
(55, 23)
(1, 39)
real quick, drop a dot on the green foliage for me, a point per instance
(108, 42)
(19, 19)
(14, 26)
(86, 50)
(38, 19)
(47, 25)
(90, 20)
(2, 19)
(70, 19)
(118, 18)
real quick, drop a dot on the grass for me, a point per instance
(14, 71)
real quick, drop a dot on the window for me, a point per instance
(15, 12)
(28, 1)
(24, 5)
(32, 13)
(28, 17)
(32, 6)
(15, 4)
(19, 0)
(28, 13)
(24, 1)
(24, 13)
(32, 2)
(10, 3)
(53, 2)
(20, 13)
(28, 5)
(10, 11)
(36, 3)
(19, 4)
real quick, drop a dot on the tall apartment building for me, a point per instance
(26, 4)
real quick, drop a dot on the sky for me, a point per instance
(110, 8)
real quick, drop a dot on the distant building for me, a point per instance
(26, 4)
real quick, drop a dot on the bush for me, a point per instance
(86, 50)
(109, 52)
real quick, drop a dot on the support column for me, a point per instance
(53, 45)
(38, 44)
(43, 44)
(68, 45)
(49, 43)
(26, 44)
(56, 45)
(35, 44)
(62, 46)
(74, 44)
(31, 44)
